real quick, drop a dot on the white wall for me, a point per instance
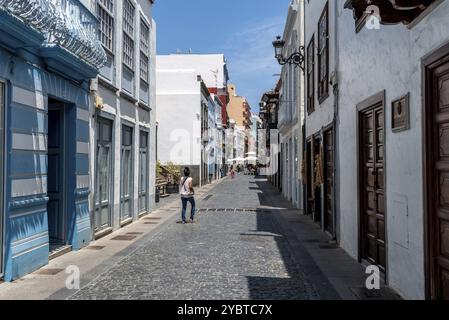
(371, 61)
(291, 105)
(178, 99)
(153, 105)
(202, 63)
(323, 114)
(119, 109)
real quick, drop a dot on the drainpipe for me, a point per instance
(335, 80)
(304, 98)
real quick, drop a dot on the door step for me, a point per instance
(49, 271)
(102, 233)
(59, 251)
(126, 222)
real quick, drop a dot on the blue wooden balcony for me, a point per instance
(61, 32)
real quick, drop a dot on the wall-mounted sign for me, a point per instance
(400, 118)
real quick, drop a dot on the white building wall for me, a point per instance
(126, 110)
(291, 107)
(212, 132)
(153, 105)
(323, 114)
(372, 61)
(178, 99)
(239, 134)
(211, 67)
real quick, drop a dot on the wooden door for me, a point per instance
(317, 184)
(126, 176)
(103, 175)
(329, 181)
(309, 172)
(143, 172)
(56, 175)
(438, 180)
(372, 206)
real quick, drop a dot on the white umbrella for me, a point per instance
(251, 159)
(239, 159)
(251, 153)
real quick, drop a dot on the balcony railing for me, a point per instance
(66, 23)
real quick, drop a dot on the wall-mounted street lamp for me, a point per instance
(297, 58)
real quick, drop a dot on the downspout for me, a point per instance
(335, 120)
(304, 99)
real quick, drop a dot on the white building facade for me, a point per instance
(319, 147)
(180, 102)
(377, 97)
(291, 108)
(123, 125)
(187, 115)
(392, 127)
(212, 68)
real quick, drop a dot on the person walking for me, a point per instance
(187, 195)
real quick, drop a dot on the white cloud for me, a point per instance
(251, 49)
(251, 60)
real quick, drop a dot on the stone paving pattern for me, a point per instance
(224, 255)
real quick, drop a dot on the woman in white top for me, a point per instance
(187, 195)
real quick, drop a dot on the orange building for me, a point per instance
(238, 108)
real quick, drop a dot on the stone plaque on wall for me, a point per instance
(400, 118)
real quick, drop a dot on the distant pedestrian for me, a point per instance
(187, 195)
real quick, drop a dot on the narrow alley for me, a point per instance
(247, 243)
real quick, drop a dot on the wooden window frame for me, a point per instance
(144, 52)
(311, 76)
(323, 49)
(105, 14)
(128, 34)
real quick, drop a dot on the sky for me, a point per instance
(241, 29)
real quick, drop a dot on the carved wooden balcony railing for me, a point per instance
(390, 11)
(66, 23)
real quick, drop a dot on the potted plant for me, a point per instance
(174, 173)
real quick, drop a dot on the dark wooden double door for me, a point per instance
(323, 215)
(328, 137)
(372, 192)
(437, 174)
(313, 188)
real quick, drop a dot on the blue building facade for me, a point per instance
(48, 54)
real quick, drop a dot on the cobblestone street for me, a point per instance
(237, 249)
